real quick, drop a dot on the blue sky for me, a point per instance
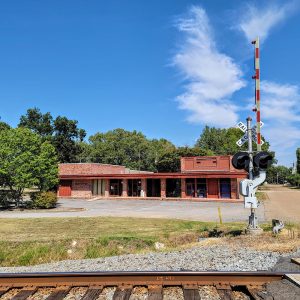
(165, 68)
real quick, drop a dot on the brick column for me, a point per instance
(125, 188)
(183, 188)
(233, 188)
(106, 190)
(163, 188)
(144, 187)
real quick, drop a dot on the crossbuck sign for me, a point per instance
(244, 138)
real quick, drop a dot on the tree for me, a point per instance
(4, 126)
(66, 138)
(63, 133)
(298, 160)
(121, 147)
(223, 141)
(38, 122)
(26, 162)
(278, 174)
(170, 161)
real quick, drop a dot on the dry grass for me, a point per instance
(261, 196)
(267, 241)
(35, 241)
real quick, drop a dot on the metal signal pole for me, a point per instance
(257, 90)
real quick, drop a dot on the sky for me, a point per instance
(166, 68)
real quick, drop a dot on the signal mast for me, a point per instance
(257, 91)
(257, 163)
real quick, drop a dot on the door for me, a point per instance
(225, 188)
(213, 188)
(65, 188)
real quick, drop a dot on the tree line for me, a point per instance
(31, 152)
(121, 147)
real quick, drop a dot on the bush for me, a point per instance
(294, 180)
(7, 198)
(44, 199)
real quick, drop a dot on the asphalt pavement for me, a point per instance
(185, 210)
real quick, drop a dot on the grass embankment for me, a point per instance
(34, 241)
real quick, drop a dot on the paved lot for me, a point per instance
(283, 204)
(200, 211)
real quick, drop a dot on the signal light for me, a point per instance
(262, 160)
(241, 160)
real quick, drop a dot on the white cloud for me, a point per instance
(281, 102)
(259, 21)
(281, 111)
(213, 76)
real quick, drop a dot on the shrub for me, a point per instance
(7, 198)
(44, 199)
(294, 179)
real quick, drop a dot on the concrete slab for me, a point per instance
(294, 278)
(296, 261)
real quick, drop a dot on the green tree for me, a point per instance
(62, 132)
(223, 141)
(66, 139)
(121, 147)
(4, 126)
(170, 161)
(278, 174)
(25, 162)
(38, 122)
(294, 180)
(298, 160)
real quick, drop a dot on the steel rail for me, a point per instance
(139, 278)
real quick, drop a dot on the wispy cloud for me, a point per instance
(280, 109)
(211, 75)
(259, 21)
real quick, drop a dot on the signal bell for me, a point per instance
(241, 160)
(262, 160)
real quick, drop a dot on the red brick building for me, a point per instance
(203, 177)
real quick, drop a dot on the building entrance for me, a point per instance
(115, 187)
(134, 187)
(196, 187)
(225, 188)
(153, 187)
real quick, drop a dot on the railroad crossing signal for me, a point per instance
(262, 160)
(244, 138)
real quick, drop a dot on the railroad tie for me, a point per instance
(24, 293)
(92, 293)
(225, 294)
(155, 292)
(253, 292)
(3, 290)
(59, 293)
(191, 292)
(122, 294)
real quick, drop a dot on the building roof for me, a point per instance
(199, 166)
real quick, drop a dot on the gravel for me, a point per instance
(211, 258)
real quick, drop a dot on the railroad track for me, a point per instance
(135, 285)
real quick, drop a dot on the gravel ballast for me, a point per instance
(209, 258)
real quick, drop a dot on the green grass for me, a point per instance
(33, 241)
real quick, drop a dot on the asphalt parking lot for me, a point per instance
(198, 211)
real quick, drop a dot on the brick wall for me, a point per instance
(208, 163)
(89, 169)
(82, 188)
